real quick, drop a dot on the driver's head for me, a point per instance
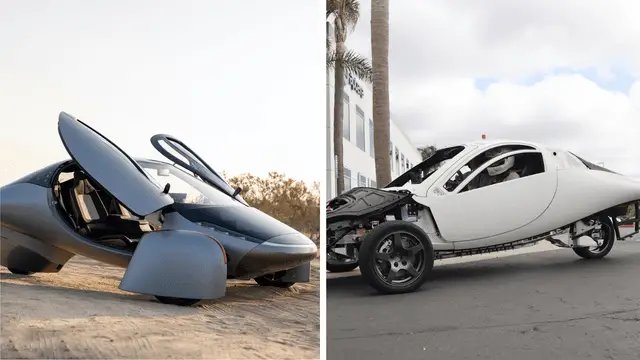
(501, 166)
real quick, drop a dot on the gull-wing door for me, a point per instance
(110, 167)
(181, 155)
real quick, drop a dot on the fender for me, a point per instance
(177, 263)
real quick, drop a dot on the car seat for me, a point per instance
(93, 218)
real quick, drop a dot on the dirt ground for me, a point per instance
(81, 313)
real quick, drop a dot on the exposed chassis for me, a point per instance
(346, 231)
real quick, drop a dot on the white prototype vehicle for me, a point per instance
(475, 198)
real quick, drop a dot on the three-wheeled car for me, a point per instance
(178, 228)
(475, 198)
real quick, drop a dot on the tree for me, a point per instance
(346, 14)
(381, 111)
(427, 151)
(351, 62)
(288, 200)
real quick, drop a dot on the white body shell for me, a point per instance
(564, 193)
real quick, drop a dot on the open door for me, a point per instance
(106, 164)
(180, 154)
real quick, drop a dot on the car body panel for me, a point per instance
(493, 210)
(30, 210)
(204, 276)
(110, 167)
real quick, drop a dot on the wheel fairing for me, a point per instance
(177, 263)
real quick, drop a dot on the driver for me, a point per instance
(496, 173)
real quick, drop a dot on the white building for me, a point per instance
(358, 155)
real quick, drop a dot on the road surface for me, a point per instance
(543, 305)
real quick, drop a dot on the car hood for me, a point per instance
(248, 222)
(365, 201)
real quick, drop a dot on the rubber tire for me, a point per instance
(20, 272)
(585, 253)
(263, 281)
(371, 241)
(340, 268)
(177, 301)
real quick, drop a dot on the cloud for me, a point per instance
(565, 111)
(563, 73)
(506, 38)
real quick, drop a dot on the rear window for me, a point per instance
(591, 165)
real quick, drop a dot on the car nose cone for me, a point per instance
(278, 253)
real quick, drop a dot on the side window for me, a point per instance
(507, 169)
(478, 161)
(458, 178)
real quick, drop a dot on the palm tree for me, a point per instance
(381, 112)
(346, 14)
(352, 63)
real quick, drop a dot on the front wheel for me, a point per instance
(274, 280)
(396, 257)
(177, 301)
(20, 272)
(604, 236)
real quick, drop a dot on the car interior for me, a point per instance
(96, 215)
(526, 164)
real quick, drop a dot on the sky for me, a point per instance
(221, 76)
(562, 73)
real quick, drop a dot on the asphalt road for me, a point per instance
(548, 305)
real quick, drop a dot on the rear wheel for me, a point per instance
(20, 272)
(274, 280)
(604, 235)
(177, 301)
(396, 257)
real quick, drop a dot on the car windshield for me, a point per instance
(185, 188)
(428, 167)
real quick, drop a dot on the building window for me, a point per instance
(402, 162)
(347, 179)
(397, 161)
(346, 121)
(373, 184)
(391, 155)
(371, 148)
(362, 180)
(360, 131)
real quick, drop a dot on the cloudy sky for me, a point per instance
(565, 73)
(219, 75)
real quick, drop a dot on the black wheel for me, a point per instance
(274, 280)
(19, 272)
(396, 257)
(340, 268)
(604, 236)
(177, 301)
